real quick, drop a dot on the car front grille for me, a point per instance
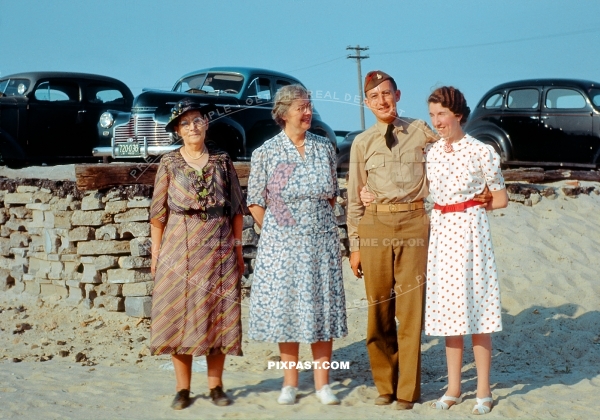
(140, 127)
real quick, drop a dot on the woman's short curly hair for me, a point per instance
(453, 99)
(283, 100)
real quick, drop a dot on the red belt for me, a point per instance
(451, 208)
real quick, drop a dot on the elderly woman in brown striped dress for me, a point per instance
(196, 228)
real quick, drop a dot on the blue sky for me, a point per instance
(473, 45)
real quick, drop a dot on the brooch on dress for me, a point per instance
(448, 147)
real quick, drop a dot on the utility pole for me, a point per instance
(359, 57)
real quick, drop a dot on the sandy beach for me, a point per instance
(60, 362)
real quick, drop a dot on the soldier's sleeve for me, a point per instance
(357, 180)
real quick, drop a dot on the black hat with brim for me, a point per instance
(184, 106)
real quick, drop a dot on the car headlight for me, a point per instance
(106, 120)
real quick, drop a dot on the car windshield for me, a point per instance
(211, 83)
(13, 87)
(595, 97)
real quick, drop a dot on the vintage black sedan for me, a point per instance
(242, 121)
(542, 122)
(50, 117)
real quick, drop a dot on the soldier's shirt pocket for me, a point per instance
(375, 162)
(412, 166)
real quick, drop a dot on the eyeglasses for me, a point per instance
(305, 107)
(198, 122)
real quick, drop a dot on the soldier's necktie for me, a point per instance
(389, 136)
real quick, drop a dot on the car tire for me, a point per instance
(227, 139)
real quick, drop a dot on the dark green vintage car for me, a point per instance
(242, 121)
(52, 117)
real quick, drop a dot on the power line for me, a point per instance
(359, 57)
(487, 44)
(454, 47)
(315, 65)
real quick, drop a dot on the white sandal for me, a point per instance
(441, 405)
(479, 408)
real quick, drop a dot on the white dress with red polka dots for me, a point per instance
(462, 295)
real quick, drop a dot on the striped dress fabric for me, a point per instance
(196, 297)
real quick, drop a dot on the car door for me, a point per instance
(520, 120)
(11, 122)
(567, 126)
(55, 120)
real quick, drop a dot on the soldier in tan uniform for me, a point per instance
(388, 238)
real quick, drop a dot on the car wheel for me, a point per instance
(227, 139)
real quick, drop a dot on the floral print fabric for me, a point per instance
(297, 292)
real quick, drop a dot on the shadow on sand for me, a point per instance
(540, 346)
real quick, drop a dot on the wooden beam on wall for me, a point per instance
(524, 174)
(539, 175)
(99, 176)
(559, 174)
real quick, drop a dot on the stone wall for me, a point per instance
(91, 249)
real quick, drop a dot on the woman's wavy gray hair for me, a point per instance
(283, 100)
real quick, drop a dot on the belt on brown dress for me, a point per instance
(208, 213)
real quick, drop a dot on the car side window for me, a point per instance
(494, 101)
(523, 99)
(260, 88)
(58, 91)
(281, 83)
(104, 95)
(595, 96)
(564, 99)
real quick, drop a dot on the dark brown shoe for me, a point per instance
(218, 397)
(385, 399)
(404, 405)
(181, 400)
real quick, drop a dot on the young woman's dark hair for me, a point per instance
(453, 99)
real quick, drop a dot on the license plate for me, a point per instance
(128, 149)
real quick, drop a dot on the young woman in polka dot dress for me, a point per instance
(462, 281)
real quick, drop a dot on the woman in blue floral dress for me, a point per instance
(297, 292)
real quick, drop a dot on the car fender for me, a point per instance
(120, 118)
(321, 129)
(229, 128)
(494, 136)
